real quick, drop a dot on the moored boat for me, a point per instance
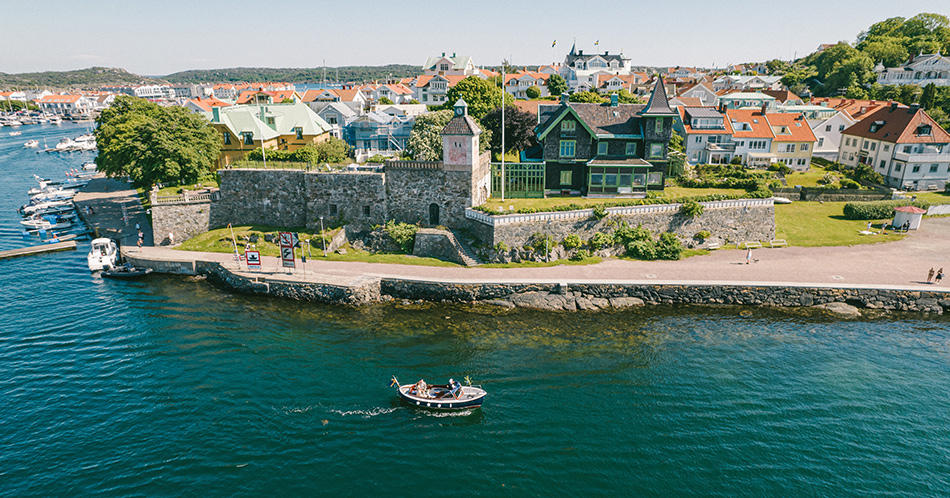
(451, 396)
(104, 254)
(32, 144)
(47, 222)
(126, 272)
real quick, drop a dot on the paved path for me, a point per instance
(106, 198)
(900, 265)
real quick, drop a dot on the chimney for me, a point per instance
(443, 54)
(762, 111)
(453, 55)
(893, 106)
(913, 108)
(614, 100)
(565, 98)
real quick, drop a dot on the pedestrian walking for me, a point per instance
(748, 256)
(930, 274)
(939, 276)
(141, 238)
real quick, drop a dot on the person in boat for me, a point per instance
(419, 388)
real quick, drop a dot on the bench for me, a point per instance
(778, 243)
(749, 245)
(713, 246)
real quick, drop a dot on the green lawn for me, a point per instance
(812, 224)
(934, 198)
(809, 178)
(219, 240)
(671, 193)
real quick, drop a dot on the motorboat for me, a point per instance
(15, 133)
(59, 194)
(126, 272)
(104, 255)
(90, 166)
(61, 210)
(451, 396)
(55, 120)
(32, 144)
(35, 208)
(48, 222)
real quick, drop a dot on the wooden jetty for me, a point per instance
(69, 245)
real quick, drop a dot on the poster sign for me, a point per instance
(287, 249)
(253, 260)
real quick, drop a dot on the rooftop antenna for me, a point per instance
(324, 73)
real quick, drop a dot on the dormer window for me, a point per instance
(568, 128)
(875, 126)
(923, 130)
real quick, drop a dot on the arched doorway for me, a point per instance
(433, 214)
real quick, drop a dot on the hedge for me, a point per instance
(877, 210)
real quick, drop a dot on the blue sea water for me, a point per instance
(168, 387)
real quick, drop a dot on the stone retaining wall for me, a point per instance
(435, 243)
(179, 220)
(366, 291)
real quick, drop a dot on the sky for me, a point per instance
(167, 36)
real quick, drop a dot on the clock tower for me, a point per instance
(460, 141)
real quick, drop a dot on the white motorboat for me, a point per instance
(53, 195)
(451, 396)
(88, 137)
(66, 144)
(90, 166)
(15, 133)
(104, 255)
(62, 209)
(31, 209)
(55, 120)
(49, 222)
(32, 144)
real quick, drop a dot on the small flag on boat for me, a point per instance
(394, 382)
(554, 43)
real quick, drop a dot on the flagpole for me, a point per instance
(504, 76)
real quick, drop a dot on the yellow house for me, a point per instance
(794, 141)
(274, 126)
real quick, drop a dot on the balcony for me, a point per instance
(923, 157)
(723, 147)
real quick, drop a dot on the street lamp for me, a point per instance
(323, 237)
(547, 241)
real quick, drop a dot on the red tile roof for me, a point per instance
(755, 119)
(788, 127)
(898, 125)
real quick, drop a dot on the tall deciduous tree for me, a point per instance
(425, 139)
(480, 95)
(556, 85)
(587, 97)
(519, 129)
(154, 144)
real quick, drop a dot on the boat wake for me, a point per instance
(366, 413)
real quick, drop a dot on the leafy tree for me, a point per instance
(519, 129)
(287, 100)
(928, 97)
(425, 139)
(587, 97)
(413, 101)
(154, 144)
(625, 97)
(480, 95)
(889, 51)
(16, 105)
(332, 150)
(533, 92)
(777, 66)
(386, 101)
(556, 85)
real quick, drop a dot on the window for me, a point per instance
(699, 139)
(602, 149)
(227, 138)
(299, 131)
(366, 211)
(827, 127)
(883, 164)
(916, 168)
(847, 141)
(596, 179)
(655, 178)
(865, 145)
(873, 145)
(821, 141)
(933, 168)
(805, 146)
(840, 127)
(567, 177)
(887, 148)
(333, 210)
(658, 128)
(568, 128)
(610, 180)
(789, 147)
(248, 138)
(331, 118)
(656, 150)
(907, 149)
(624, 180)
(567, 148)
(897, 166)
(270, 121)
(923, 129)
(631, 148)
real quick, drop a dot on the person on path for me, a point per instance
(748, 256)
(141, 239)
(930, 274)
(939, 276)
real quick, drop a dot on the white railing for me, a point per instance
(186, 198)
(507, 219)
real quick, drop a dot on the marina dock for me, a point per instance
(69, 245)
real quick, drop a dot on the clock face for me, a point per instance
(458, 111)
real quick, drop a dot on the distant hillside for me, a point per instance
(86, 79)
(294, 75)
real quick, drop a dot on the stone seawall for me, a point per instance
(180, 221)
(365, 290)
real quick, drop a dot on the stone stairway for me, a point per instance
(465, 251)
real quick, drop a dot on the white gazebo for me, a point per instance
(908, 214)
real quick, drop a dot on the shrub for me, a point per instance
(691, 208)
(702, 235)
(762, 193)
(643, 249)
(849, 183)
(580, 255)
(377, 159)
(572, 241)
(501, 247)
(669, 246)
(828, 179)
(532, 92)
(539, 242)
(737, 160)
(403, 234)
(599, 240)
(625, 234)
(600, 212)
(877, 210)
(781, 168)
